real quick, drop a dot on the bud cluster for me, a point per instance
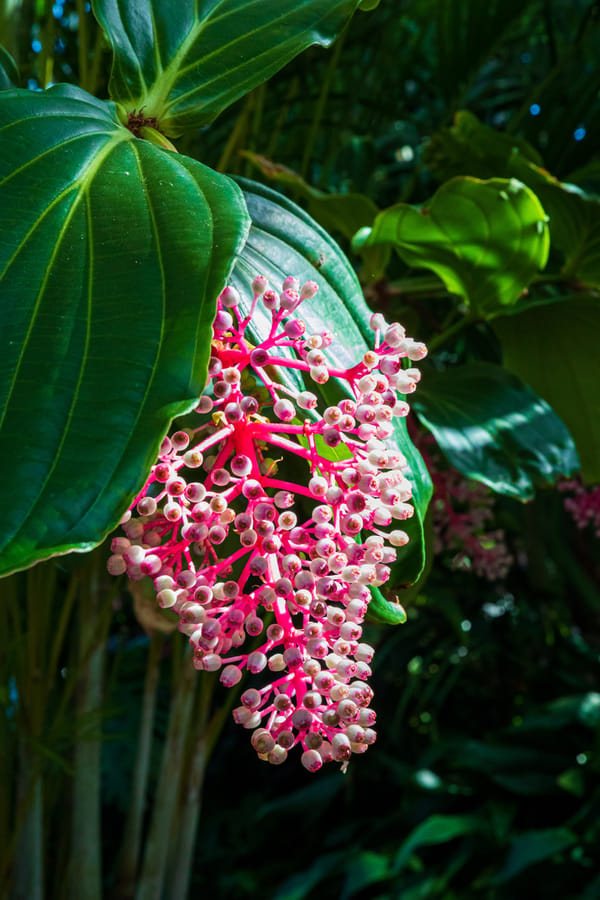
(264, 526)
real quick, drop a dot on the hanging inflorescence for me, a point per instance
(265, 525)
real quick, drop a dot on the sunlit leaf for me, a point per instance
(112, 253)
(486, 240)
(468, 146)
(493, 428)
(184, 64)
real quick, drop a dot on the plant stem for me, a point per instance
(29, 863)
(85, 866)
(444, 336)
(205, 736)
(125, 878)
(151, 881)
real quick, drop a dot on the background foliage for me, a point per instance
(488, 699)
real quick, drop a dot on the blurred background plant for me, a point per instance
(484, 780)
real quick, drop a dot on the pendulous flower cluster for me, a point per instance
(265, 524)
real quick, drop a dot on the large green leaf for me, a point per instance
(468, 146)
(344, 214)
(493, 428)
(554, 349)
(284, 240)
(112, 253)
(485, 239)
(186, 61)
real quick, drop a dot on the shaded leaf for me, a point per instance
(186, 68)
(365, 869)
(486, 240)
(9, 72)
(437, 829)
(284, 240)
(581, 709)
(554, 350)
(493, 428)
(112, 254)
(533, 847)
(302, 884)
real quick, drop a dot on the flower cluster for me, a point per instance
(462, 509)
(264, 525)
(583, 503)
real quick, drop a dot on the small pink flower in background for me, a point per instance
(583, 504)
(264, 526)
(462, 509)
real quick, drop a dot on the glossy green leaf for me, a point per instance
(284, 240)
(343, 214)
(554, 349)
(468, 146)
(185, 63)
(534, 847)
(493, 428)
(112, 253)
(486, 240)
(9, 73)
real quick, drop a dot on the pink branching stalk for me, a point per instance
(267, 523)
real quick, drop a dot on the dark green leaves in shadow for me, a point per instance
(493, 428)
(284, 240)
(554, 349)
(186, 62)
(112, 253)
(486, 240)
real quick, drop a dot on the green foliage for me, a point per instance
(486, 240)
(103, 340)
(185, 68)
(573, 214)
(493, 428)
(483, 784)
(554, 350)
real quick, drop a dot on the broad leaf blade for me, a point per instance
(112, 253)
(485, 239)
(185, 63)
(554, 349)
(284, 240)
(468, 146)
(344, 214)
(493, 428)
